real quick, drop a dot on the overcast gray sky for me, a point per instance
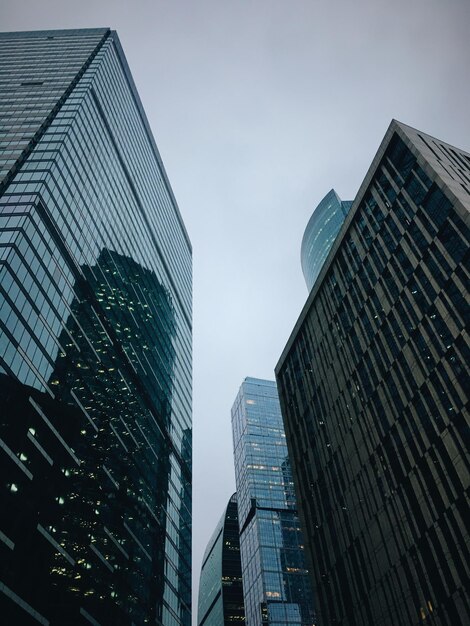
(259, 108)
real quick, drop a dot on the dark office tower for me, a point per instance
(320, 234)
(374, 392)
(276, 585)
(220, 587)
(95, 351)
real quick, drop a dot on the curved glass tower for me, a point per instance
(320, 234)
(221, 589)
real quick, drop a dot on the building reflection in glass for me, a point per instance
(95, 323)
(95, 482)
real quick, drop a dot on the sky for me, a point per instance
(259, 108)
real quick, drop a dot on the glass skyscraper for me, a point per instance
(374, 389)
(320, 233)
(95, 345)
(276, 584)
(220, 587)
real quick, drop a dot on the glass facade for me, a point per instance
(276, 584)
(319, 236)
(221, 588)
(95, 348)
(374, 390)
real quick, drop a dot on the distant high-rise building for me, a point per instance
(276, 585)
(95, 350)
(320, 233)
(374, 389)
(220, 587)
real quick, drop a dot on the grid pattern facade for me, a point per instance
(36, 73)
(320, 234)
(276, 584)
(374, 391)
(221, 588)
(95, 351)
